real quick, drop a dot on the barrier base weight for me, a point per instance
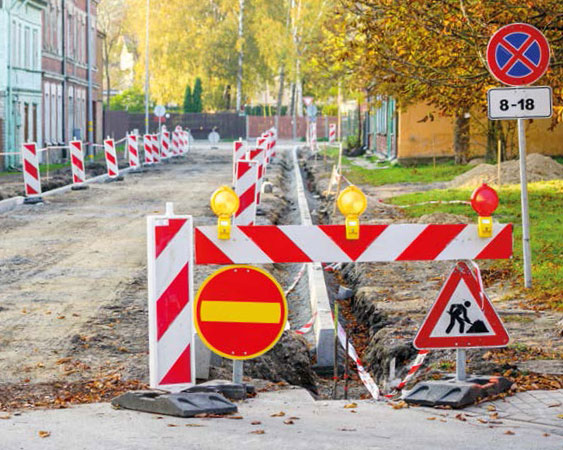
(179, 405)
(456, 394)
(230, 390)
(32, 200)
(79, 188)
(114, 179)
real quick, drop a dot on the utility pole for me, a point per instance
(90, 95)
(240, 54)
(147, 72)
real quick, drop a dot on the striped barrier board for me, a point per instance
(170, 285)
(239, 152)
(165, 144)
(155, 148)
(246, 189)
(332, 133)
(258, 155)
(133, 148)
(77, 163)
(31, 174)
(328, 244)
(175, 144)
(147, 144)
(111, 158)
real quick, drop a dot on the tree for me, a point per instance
(188, 100)
(198, 91)
(132, 100)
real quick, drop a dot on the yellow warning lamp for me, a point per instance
(224, 203)
(484, 201)
(352, 204)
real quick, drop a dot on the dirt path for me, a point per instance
(72, 272)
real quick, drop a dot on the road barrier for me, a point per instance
(31, 174)
(111, 158)
(246, 188)
(77, 163)
(240, 148)
(133, 149)
(155, 149)
(165, 144)
(147, 145)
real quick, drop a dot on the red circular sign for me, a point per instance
(240, 312)
(518, 54)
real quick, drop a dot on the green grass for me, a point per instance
(546, 220)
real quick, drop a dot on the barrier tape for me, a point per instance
(297, 280)
(307, 327)
(413, 369)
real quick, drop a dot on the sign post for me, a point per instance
(518, 55)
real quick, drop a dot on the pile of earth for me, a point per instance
(540, 168)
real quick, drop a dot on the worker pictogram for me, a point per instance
(462, 316)
(240, 312)
(518, 54)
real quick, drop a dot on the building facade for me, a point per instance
(65, 72)
(20, 77)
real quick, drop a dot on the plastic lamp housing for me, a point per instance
(352, 202)
(484, 200)
(224, 202)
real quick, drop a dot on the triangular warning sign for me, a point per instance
(462, 316)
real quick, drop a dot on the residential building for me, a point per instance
(65, 72)
(20, 77)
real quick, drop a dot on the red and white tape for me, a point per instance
(307, 327)
(415, 366)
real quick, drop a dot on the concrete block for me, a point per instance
(202, 359)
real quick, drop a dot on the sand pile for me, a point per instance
(540, 168)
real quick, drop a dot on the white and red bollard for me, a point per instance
(246, 188)
(175, 144)
(133, 149)
(332, 134)
(165, 144)
(239, 152)
(155, 149)
(31, 174)
(77, 165)
(170, 285)
(313, 136)
(147, 144)
(258, 155)
(111, 159)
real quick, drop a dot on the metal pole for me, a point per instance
(460, 374)
(147, 71)
(238, 370)
(499, 161)
(525, 213)
(347, 368)
(335, 375)
(90, 96)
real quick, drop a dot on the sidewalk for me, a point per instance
(306, 424)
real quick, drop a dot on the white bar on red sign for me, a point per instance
(246, 189)
(31, 174)
(165, 144)
(155, 149)
(133, 148)
(77, 162)
(147, 144)
(170, 285)
(111, 158)
(328, 244)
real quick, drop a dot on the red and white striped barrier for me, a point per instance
(258, 155)
(416, 365)
(155, 149)
(332, 133)
(307, 327)
(313, 130)
(147, 144)
(31, 174)
(328, 244)
(133, 148)
(170, 282)
(186, 142)
(175, 144)
(239, 152)
(77, 163)
(111, 158)
(246, 188)
(165, 144)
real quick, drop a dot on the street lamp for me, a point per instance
(147, 71)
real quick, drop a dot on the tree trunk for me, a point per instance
(495, 133)
(280, 96)
(298, 89)
(240, 55)
(461, 137)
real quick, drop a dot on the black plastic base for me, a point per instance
(230, 390)
(179, 405)
(33, 200)
(114, 179)
(79, 188)
(456, 394)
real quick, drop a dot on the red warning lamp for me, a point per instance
(484, 201)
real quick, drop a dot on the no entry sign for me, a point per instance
(240, 312)
(518, 54)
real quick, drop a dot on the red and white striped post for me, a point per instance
(185, 142)
(239, 152)
(314, 136)
(170, 285)
(332, 134)
(111, 158)
(246, 188)
(258, 155)
(133, 149)
(77, 165)
(175, 143)
(147, 144)
(165, 144)
(155, 149)
(31, 174)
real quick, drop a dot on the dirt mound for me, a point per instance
(540, 168)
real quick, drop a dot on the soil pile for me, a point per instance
(540, 168)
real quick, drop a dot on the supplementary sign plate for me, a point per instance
(520, 103)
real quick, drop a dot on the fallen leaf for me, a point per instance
(289, 422)
(5, 417)
(44, 434)
(493, 415)
(280, 414)
(491, 408)
(461, 417)
(61, 317)
(560, 416)
(431, 418)
(353, 411)
(402, 404)
(347, 429)
(554, 405)
(258, 432)
(194, 425)
(510, 433)
(171, 425)
(546, 435)
(351, 406)
(295, 418)
(234, 417)
(256, 422)
(482, 421)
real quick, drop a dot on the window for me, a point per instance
(26, 133)
(27, 48)
(34, 122)
(36, 64)
(60, 112)
(14, 61)
(54, 117)
(70, 112)
(47, 113)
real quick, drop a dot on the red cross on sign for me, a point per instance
(240, 312)
(518, 54)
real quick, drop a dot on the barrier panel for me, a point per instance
(165, 144)
(111, 158)
(133, 148)
(31, 174)
(77, 163)
(147, 144)
(246, 189)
